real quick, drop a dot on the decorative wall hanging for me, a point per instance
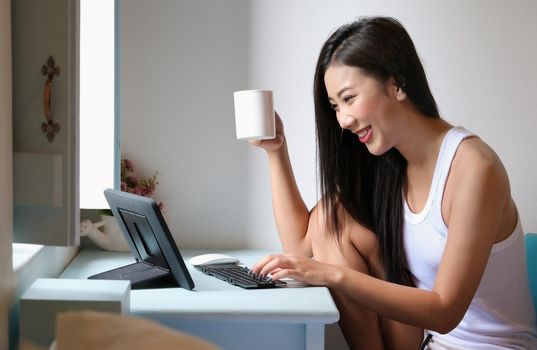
(49, 127)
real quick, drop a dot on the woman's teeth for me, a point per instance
(363, 132)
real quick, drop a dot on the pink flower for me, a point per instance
(127, 165)
(131, 184)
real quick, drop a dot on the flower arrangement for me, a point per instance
(132, 184)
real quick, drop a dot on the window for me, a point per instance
(97, 125)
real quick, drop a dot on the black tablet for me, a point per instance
(158, 261)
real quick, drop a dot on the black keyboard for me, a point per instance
(240, 276)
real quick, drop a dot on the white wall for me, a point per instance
(6, 184)
(180, 63)
(480, 58)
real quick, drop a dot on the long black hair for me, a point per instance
(369, 187)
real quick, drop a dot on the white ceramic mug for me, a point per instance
(254, 114)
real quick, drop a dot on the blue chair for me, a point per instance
(531, 257)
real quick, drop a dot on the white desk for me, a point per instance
(229, 316)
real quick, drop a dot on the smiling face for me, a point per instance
(365, 106)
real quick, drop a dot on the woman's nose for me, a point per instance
(345, 121)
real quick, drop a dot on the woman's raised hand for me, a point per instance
(273, 144)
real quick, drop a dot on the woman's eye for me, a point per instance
(347, 98)
(333, 106)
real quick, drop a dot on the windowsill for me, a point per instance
(32, 261)
(23, 254)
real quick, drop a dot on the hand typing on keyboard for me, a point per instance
(240, 276)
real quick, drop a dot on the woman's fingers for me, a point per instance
(299, 268)
(276, 270)
(257, 267)
(277, 262)
(270, 260)
(281, 265)
(278, 123)
(255, 142)
(275, 143)
(283, 273)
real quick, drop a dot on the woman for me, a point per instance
(408, 201)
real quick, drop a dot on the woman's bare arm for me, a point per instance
(475, 217)
(290, 211)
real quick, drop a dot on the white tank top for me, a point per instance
(501, 315)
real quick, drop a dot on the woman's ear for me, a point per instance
(400, 95)
(395, 90)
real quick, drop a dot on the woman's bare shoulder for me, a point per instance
(476, 157)
(474, 152)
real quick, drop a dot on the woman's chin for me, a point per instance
(375, 149)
